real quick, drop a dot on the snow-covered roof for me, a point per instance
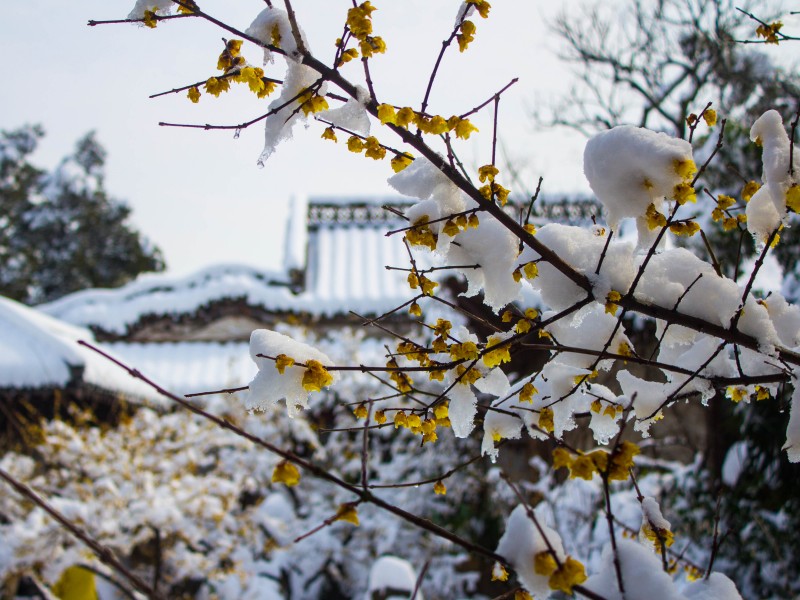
(189, 367)
(344, 255)
(38, 351)
(335, 258)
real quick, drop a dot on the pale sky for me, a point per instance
(198, 194)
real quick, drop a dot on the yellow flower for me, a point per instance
(622, 461)
(347, 512)
(359, 21)
(187, 8)
(684, 168)
(464, 351)
(737, 394)
(436, 125)
(531, 270)
(150, 19)
(347, 56)
(282, 361)
(439, 488)
(482, 6)
(387, 114)
(354, 144)
(687, 229)
(415, 310)
(400, 379)
(522, 595)
(380, 417)
(467, 376)
(570, 574)
(441, 411)
(275, 35)
(473, 221)
(286, 473)
(546, 422)
(269, 87)
(561, 458)
(499, 572)
(450, 228)
(658, 535)
(507, 316)
(329, 134)
(194, 94)
(314, 104)
(762, 393)
(683, 193)
(421, 235)
(439, 345)
(374, 149)
(527, 392)
(654, 218)
(401, 161)
(400, 419)
(611, 301)
(710, 117)
(216, 86)
(750, 188)
(427, 285)
(371, 45)
(583, 467)
(361, 411)
(466, 36)
(442, 327)
(522, 326)
(769, 32)
(464, 128)
(793, 198)
(316, 376)
(496, 352)
(405, 116)
(530, 228)
(544, 563)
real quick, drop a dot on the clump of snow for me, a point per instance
(463, 406)
(521, 542)
(642, 575)
(497, 426)
(652, 517)
(792, 445)
(581, 249)
(629, 168)
(494, 248)
(269, 385)
(392, 578)
(762, 216)
(604, 424)
(678, 277)
(298, 77)
(734, 462)
(785, 318)
(279, 125)
(769, 132)
(352, 115)
(269, 20)
(716, 587)
(160, 7)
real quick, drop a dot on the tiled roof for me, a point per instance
(345, 252)
(37, 351)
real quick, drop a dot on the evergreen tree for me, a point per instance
(60, 231)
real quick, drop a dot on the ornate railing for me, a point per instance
(571, 211)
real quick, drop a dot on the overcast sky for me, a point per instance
(199, 195)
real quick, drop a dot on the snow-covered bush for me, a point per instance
(567, 291)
